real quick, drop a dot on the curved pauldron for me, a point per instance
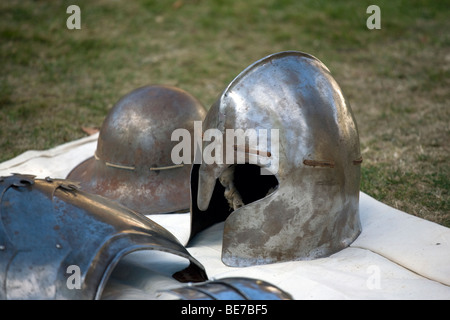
(52, 233)
(234, 288)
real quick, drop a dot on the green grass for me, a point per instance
(55, 81)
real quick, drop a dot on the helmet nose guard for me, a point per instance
(312, 210)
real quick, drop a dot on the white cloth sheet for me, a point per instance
(397, 255)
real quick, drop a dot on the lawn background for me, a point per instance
(55, 81)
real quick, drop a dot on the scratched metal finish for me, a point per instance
(132, 163)
(233, 288)
(314, 210)
(48, 225)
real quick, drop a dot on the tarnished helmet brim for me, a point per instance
(82, 170)
(149, 192)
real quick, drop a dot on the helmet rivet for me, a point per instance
(2, 247)
(58, 246)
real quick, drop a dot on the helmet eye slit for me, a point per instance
(257, 152)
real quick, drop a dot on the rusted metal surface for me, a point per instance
(318, 163)
(358, 161)
(234, 288)
(253, 151)
(313, 210)
(132, 163)
(48, 226)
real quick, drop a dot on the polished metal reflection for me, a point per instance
(49, 229)
(233, 288)
(312, 208)
(132, 163)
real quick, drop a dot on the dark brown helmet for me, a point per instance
(132, 163)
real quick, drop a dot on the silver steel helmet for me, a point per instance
(58, 242)
(132, 163)
(308, 207)
(233, 288)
